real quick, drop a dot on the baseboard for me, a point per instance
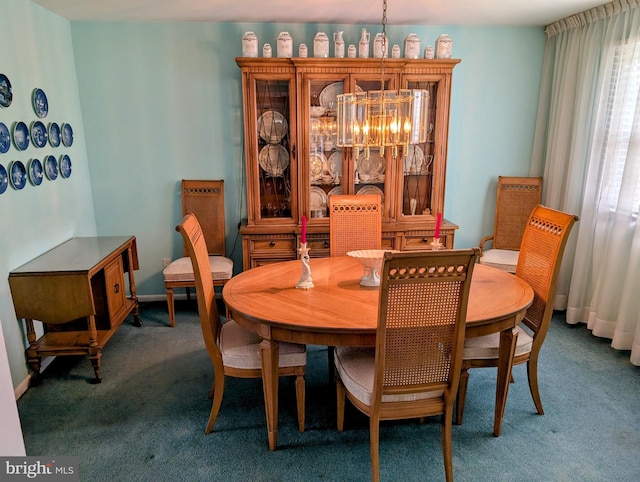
(23, 386)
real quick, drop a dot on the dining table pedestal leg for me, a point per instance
(270, 357)
(508, 339)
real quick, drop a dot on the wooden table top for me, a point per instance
(267, 295)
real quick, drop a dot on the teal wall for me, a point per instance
(162, 101)
(37, 52)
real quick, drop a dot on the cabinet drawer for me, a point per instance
(268, 245)
(115, 288)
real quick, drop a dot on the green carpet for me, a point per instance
(145, 421)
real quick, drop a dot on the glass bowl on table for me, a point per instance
(371, 260)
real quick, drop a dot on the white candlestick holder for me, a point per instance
(305, 281)
(437, 244)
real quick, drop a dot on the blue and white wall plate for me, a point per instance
(38, 134)
(65, 166)
(21, 135)
(54, 134)
(51, 167)
(6, 91)
(4, 179)
(40, 103)
(18, 175)
(67, 135)
(5, 138)
(36, 173)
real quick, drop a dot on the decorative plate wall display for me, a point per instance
(6, 91)
(65, 166)
(54, 134)
(4, 179)
(21, 136)
(18, 175)
(40, 103)
(36, 173)
(38, 134)
(67, 135)
(5, 138)
(51, 168)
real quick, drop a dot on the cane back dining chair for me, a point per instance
(355, 222)
(414, 369)
(205, 199)
(545, 237)
(515, 199)
(233, 350)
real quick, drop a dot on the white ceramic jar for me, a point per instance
(249, 44)
(380, 46)
(412, 47)
(266, 51)
(321, 45)
(428, 52)
(363, 46)
(444, 47)
(285, 45)
(338, 44)
(395, 52)
(303, 51)
(352, 51)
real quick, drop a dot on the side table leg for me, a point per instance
(270, 357)
(508, 340)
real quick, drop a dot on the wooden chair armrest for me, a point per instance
(482, 241)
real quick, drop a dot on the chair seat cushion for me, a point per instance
(486, 347)
(241, 349)
(356, 366)
(182, 270)
(504, 259)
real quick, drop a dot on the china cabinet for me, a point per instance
(294, 163)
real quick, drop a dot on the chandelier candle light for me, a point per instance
(305, 281)
(382, 118)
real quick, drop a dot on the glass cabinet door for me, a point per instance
(419, 164)
(326, 166)
(275, 144)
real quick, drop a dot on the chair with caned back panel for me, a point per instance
(205, 199)
(516, 197)
(233, 350)
(541, 251)
(355, 222)
(414, 369)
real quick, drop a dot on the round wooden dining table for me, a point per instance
(338, 311)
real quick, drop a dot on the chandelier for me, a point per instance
(382, 118)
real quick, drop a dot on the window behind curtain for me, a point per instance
(620, 152)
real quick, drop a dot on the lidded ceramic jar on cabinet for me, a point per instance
(412, 47)
(321, 45)
(444, 47)
(380, 46)
(249, 44)
(285, 45)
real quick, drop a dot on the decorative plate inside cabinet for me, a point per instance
(274, 159)
(272, 126)
(371, 189)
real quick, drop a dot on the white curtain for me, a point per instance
(587, 147)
